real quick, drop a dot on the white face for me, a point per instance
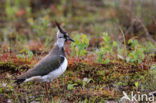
(59, 34)
(60, 39)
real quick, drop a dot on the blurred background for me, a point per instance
(31, 22)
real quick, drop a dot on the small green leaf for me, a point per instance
(1, 90)
(121, 57)
(30, 54)
(136, 84)
(71, 86)
(106, 61)
(114, 43)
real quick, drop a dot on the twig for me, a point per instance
(124, 41)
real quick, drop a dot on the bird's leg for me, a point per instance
(64, 86)
(49, 85)
(46, 90)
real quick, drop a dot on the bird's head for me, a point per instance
(62, 35)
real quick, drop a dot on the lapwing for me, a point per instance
(52, 65)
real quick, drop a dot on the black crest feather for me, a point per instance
(58, 26)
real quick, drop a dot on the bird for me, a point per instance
(52, 65)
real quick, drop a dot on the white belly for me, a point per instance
(56, 73)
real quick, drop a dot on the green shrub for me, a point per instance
(39, 25)
(137, 53)
(107, 47)
(80, 45)
(22, 55)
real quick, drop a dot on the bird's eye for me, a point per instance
(65, 36)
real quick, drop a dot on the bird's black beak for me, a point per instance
(68, 38)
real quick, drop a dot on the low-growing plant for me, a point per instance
(13, 8)
(107, 47)
(137, 53)
(91, 100)
(71, 86)
(1, 90)
(22, 56)
(30, 54)
(39, 25)
(153, 74)
(80, 45)
(153, 69)
(85, 82)
(136, 85)
(149, 48)
(9, 10)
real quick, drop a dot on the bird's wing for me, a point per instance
(43, 67)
